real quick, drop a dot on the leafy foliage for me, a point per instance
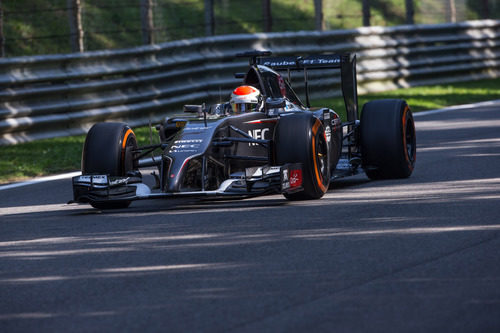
(42, 26)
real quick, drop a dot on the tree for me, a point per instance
(410, 12)
(209, 18)
(266, 12)
(485, 10)
(366, 13)
(75, 25)
(318, 14)
(482, 9)
(147, 21)
(451, 11)
(2, 39)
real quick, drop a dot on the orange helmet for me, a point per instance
(245, 99)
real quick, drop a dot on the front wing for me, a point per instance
(253, 182)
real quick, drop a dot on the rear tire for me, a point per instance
(108, 151)
(388, 141)
(300, 138)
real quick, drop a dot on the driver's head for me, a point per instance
(246, 99)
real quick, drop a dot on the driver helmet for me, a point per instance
(246, 99)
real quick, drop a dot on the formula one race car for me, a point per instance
(265, 141)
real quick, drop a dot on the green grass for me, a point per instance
(52, 156)
(38, 158)
(48, 156)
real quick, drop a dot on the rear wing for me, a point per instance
(345, 62)
(298, 63)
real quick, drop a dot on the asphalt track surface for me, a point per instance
(412, 255)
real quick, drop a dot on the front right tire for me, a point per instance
(300, 138)
(108, 150)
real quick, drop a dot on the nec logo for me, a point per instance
(259, 134)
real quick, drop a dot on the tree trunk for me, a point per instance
(366, 13)
(209, 18)
(451, 11)
(2, 39)
(318, 14)
(410, 12)
(266, 13)
(485, 10)
(147, 21)
(75, 25)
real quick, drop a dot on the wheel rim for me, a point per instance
(127, 158)
(322, 157)
(410, 140)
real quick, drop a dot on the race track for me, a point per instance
(419, 254)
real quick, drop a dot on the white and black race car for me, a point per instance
(286, 147)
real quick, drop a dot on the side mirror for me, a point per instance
(275, 106)
(193, 109)
(198, 109)
(275, 103)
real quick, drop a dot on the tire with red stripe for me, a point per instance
(108, 150)
(300, 138)
(388, 141)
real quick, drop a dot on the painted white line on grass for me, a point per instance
(40, 180)
(456, 108)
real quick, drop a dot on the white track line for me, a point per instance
(40, 180)
(73, 174)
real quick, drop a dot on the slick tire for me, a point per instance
(388, 141)
(108, 151)
(300, 138)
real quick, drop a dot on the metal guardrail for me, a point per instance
(58, 95)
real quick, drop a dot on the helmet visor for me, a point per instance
(243, 107)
